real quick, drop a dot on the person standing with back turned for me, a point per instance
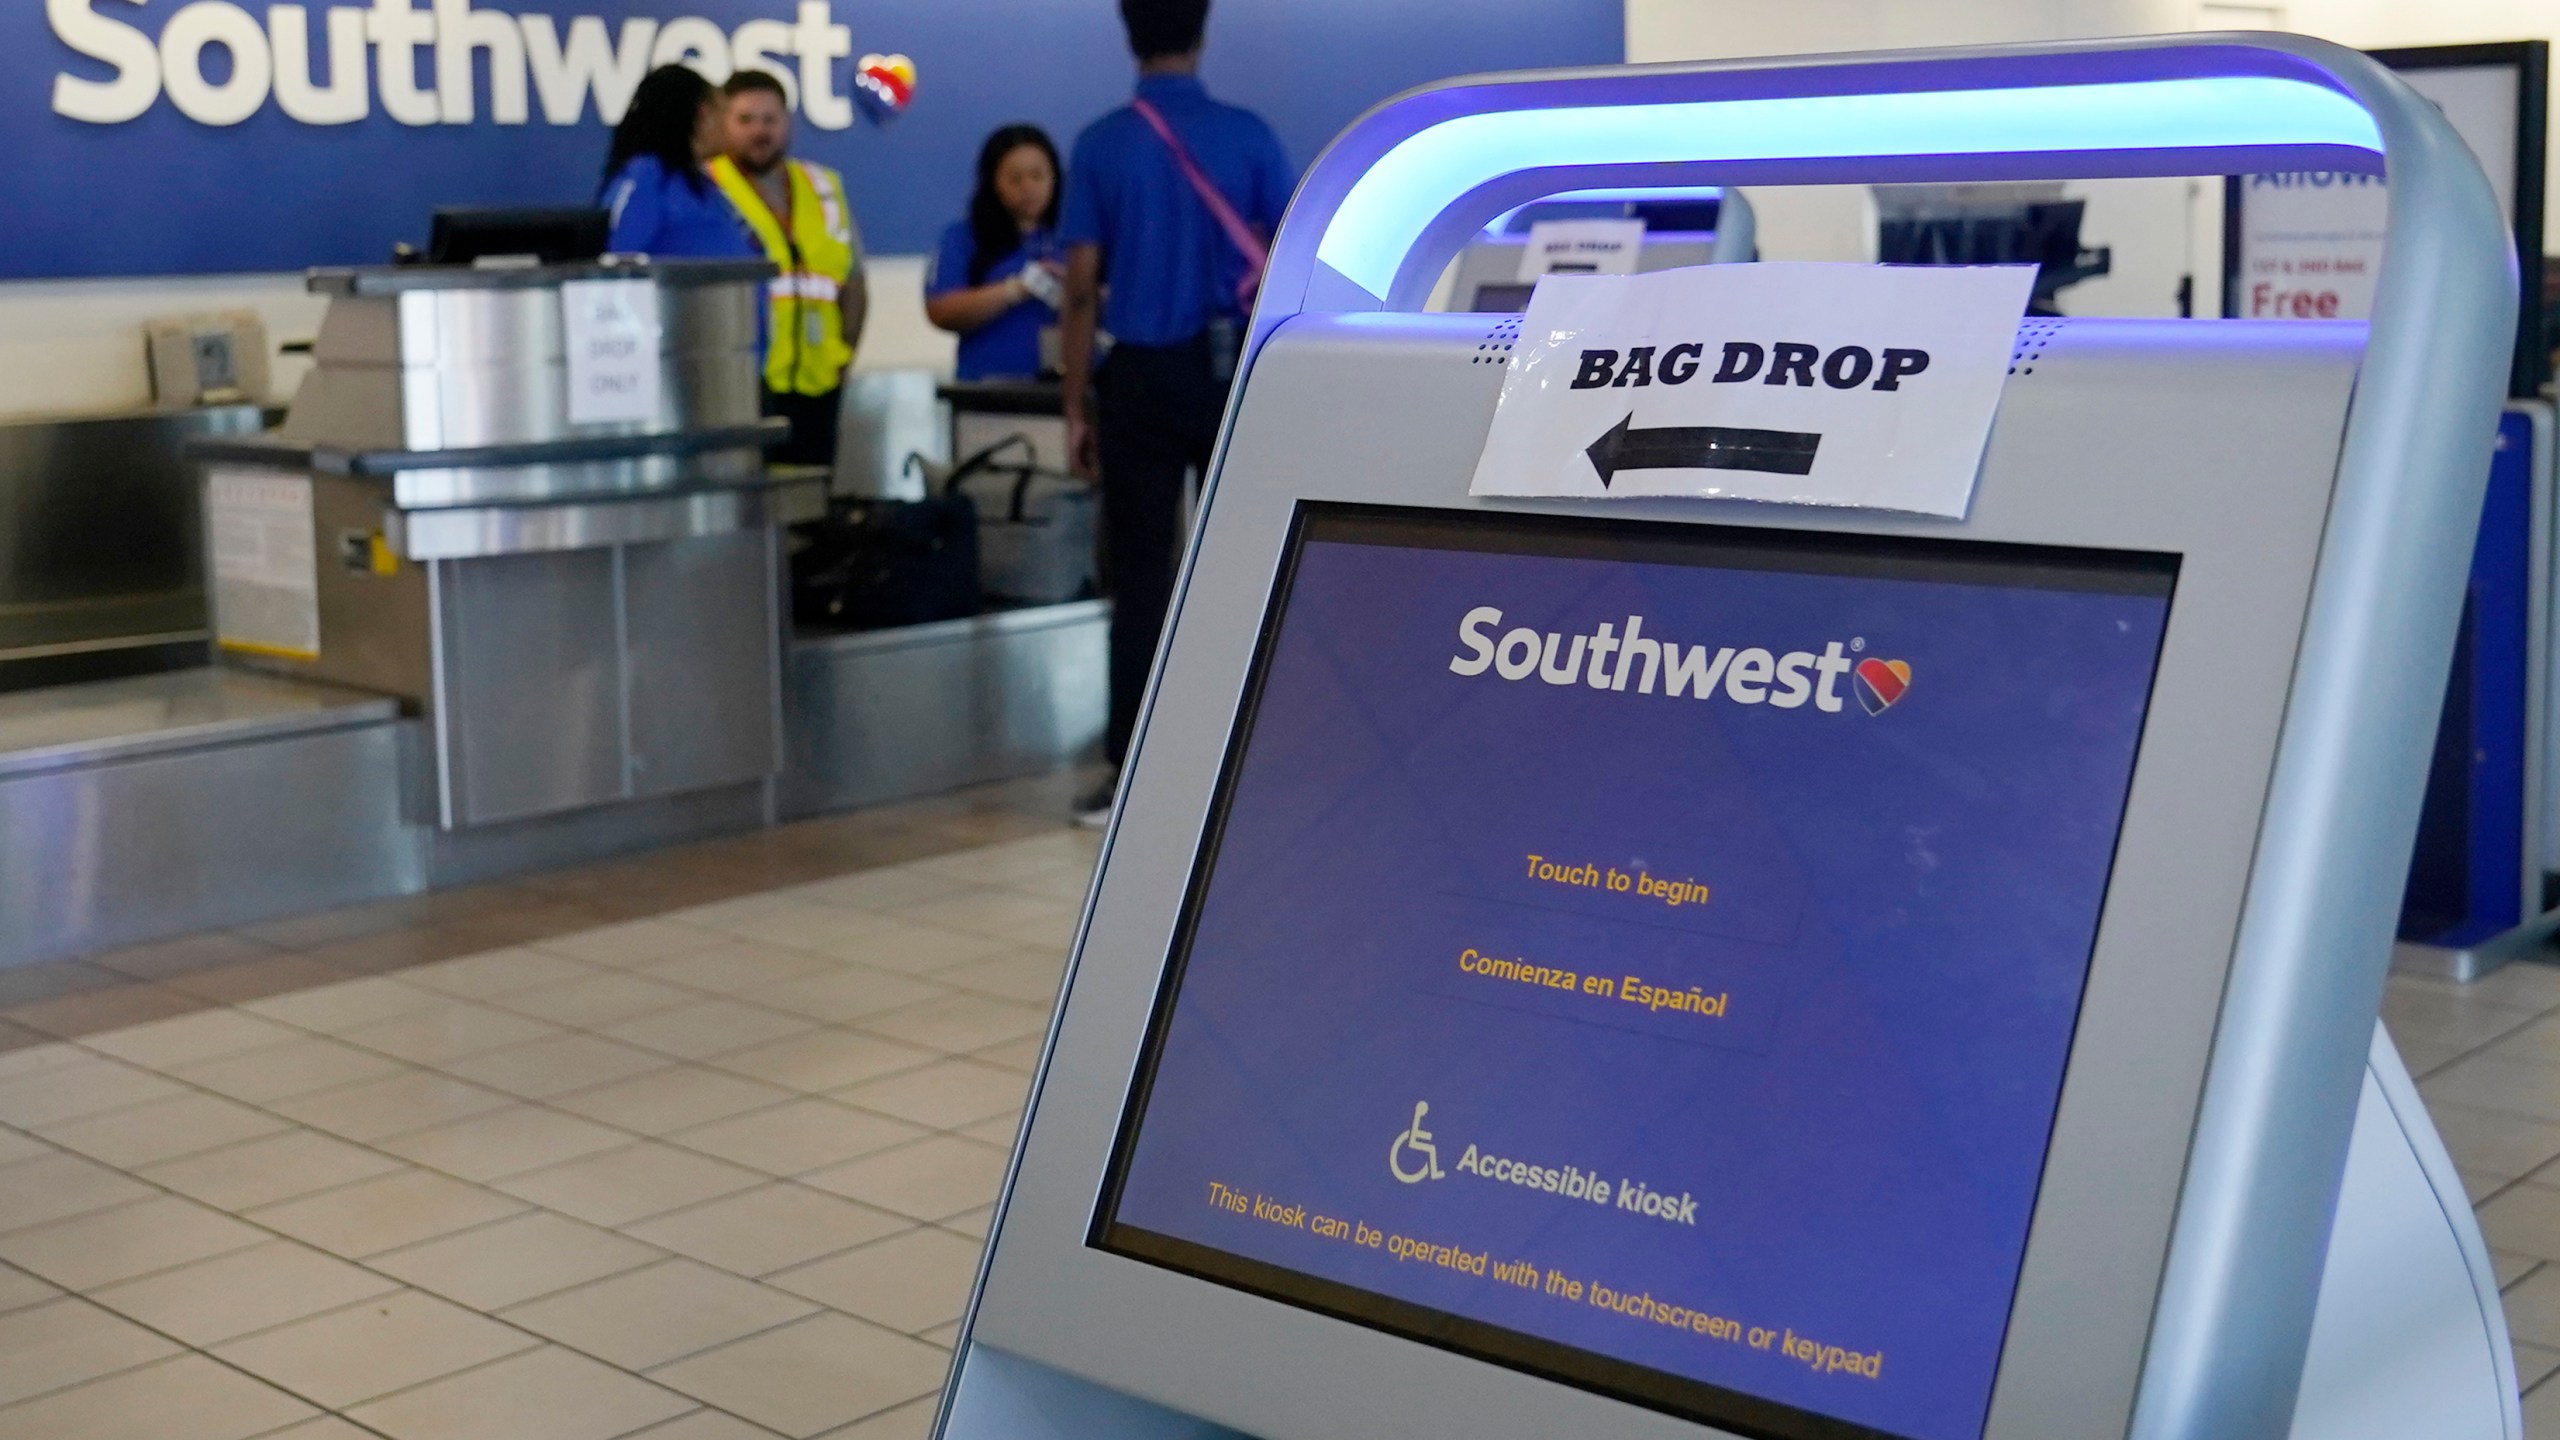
(799, 214)
(1171, 202)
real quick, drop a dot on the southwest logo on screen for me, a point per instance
(1608, 659)
(1881, 682)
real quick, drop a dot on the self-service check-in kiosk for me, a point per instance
(1986, 1049)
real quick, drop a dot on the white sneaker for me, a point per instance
(1093, 812)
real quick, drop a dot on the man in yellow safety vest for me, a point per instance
(799, 213)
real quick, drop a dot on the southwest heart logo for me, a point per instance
(1880, 683)
(884, 84)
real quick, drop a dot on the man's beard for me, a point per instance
(762, 168)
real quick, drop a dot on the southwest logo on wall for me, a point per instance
(247, 136)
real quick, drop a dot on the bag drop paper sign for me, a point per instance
(1869, 386)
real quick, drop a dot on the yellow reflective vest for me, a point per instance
(805, 346)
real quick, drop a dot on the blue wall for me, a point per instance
(165, 194)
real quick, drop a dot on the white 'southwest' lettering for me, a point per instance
(314, 67)
(1608, 660)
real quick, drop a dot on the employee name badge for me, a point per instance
(1799, 383)
(611, 329)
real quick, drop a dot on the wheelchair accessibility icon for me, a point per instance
(1417, 1140)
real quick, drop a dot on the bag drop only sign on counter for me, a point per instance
(613, 344)
(1800, 383)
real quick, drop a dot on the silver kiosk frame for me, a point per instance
(2229, 1093)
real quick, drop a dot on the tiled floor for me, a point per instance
(697, 1146)
(693, 1147)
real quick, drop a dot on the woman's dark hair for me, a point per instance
(660, 123)
(993, 232)
(1164, 27)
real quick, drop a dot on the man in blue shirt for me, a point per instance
(1179, 283)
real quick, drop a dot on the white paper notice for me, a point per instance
(1582, 247)
(266, 576)
(1800, 383)
(611, 332)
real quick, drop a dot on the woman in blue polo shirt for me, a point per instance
(995, 281)
(657, 198)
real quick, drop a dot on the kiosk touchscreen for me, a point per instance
(1729, 998)
(1670, 967)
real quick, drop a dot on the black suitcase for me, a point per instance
(877, 564)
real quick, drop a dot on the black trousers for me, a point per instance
(813, 427)
(1158, 418)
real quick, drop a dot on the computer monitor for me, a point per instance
(469, 234)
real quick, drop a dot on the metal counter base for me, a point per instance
(136, 810)
(892, 714)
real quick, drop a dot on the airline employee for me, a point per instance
(995, 282)
(1171, 201)
(655, 195)
(799, 214)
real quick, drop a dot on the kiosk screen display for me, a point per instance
(1646, 955)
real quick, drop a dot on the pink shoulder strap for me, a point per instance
(1256, 254)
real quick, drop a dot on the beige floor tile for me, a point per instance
(649, 1317)
(915, 949)
(999, 1130)
(677, 1098)
(946, 1336)
(2534, 1364)
(959, 1024)
(907, 1282)
(811, 1376)
(779, 921)
(105, 1246)
(504, 1142)
(18, 1289)
(392, 1105)
(33, 1192)
(631, 944)
(844, 992)
(2493, 1143)
(348, 1356)
(189, 1396)
(760, 1231)
(156, 1130)
(28, 1059)
(266, 1170)
(824, 1060)
(386, 1212)
(2526, 985)
(737, 966)
(327, 1427)
(705, 1425)
(797, 1136)
(2511, 1268)
(346, 1005)
(2488, 1081)
(17, 1145)
(1029, 977)
(83, 1087)
(281, 1072)
(206, 1035)
(986, 911)
(545, 1394)
(2533, 1307)
(448, 1031)
(706, 1028)
(945, 1095)
(557, 1065)
(883, 889)
(233, 1295)
(596, 1001)
(64, 1343)
(622, 1186)
(972, 1224)
(2542, 1411)
(496, 972)
(515, 1260)
(1021, 1055)
(2524, 1220)
(2449, 1015)
(911, 1421)
(928, 1180)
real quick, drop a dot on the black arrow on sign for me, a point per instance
(1701, 447)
